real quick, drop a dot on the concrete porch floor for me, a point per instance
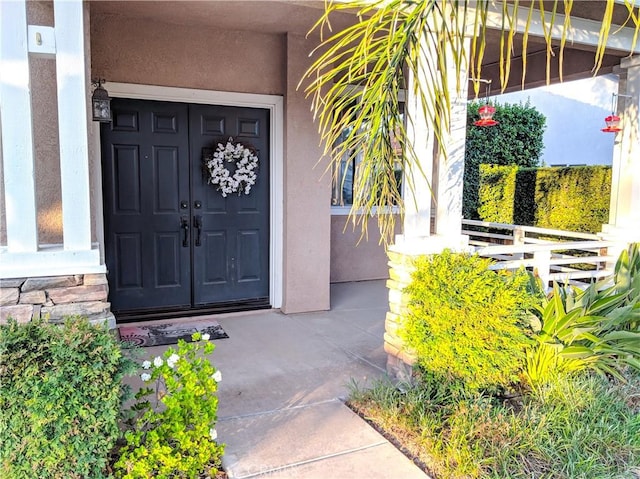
(284, 377)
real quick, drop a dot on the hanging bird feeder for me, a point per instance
(486, 111)
(613, 124)
(613, 120)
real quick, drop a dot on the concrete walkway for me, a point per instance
(281, 411)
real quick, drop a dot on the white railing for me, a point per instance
(554, 255)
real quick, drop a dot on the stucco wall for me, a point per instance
(45, 133)
(135, 50)
(357, 258)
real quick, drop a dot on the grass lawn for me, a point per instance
(584, 426)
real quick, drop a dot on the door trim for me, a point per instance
(275, 105)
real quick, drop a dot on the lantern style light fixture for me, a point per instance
(613, 120)
(101, 103)
(486, 111)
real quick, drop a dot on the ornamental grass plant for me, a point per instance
(583, 426)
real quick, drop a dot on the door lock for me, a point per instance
(197, 204)
(184, 205)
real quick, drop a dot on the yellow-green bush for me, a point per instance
(497, 192)
(466, 323)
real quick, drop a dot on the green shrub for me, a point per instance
(60, 399)
(465, 322)
(573, 199)
(175, 437)
(516, 140)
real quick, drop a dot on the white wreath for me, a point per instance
(245, 174)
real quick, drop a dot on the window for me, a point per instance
(347, 174)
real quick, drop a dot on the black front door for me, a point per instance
(172, 241)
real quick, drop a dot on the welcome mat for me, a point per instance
(170, 333)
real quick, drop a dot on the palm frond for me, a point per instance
(360, 74)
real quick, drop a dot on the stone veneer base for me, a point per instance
(400, 359)
(55, 297)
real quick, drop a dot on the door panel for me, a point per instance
(154, 184)
(221, 259)
(146, 175)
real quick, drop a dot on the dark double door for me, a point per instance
(172, 241)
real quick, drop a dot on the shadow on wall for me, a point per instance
(575, 113)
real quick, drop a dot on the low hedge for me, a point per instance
(573, 198)
(60, 399)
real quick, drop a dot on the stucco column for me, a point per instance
(438, 179)
(307, 194)
(624, 213)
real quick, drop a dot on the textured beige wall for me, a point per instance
(45, 133)
(353, 258)
(135, 50)
(307, 196)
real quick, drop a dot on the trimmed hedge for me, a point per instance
(516, 140)
(497, 192)
(574, 198)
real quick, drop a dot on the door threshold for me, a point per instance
(221, 308)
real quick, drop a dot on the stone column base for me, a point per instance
(56, 297)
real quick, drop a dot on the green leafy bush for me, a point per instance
(596, 328)
(516, 140)
(572, 199)
(60, 399)
(466, 323)
(175, 437)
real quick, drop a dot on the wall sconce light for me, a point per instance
(101, 103)
(613, 120)
(486, 111)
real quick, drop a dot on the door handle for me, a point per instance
(197, 222)
(184, 224)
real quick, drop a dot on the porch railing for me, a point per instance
(554, 255)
